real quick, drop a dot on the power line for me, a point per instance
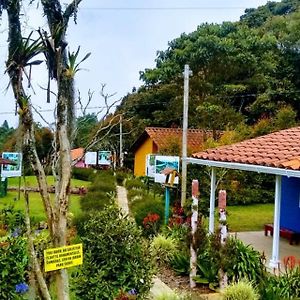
(165, 102)
(51, 110)
(168, 8)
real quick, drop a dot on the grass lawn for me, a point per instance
(31, 181)
(36, 205)
(249, 218)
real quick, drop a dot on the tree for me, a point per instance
(62, 67)
(5, 134)
(248, 72)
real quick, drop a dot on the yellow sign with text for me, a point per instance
(63, 257)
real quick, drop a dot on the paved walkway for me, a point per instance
(263, 243)
(159, 288)
(122, 199)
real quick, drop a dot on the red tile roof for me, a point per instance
(77, 153)
(279, 149)
(163, 137)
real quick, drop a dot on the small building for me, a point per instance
(165, 141)
(277, 154)
(290, 204)
(77, 156)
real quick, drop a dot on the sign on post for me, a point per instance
(90, 158)
(63, 257)
(162, 162)
(104, 158)
(150, 165)
(12, 170)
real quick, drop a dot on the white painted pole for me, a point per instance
(274, 262)
(186, 73)
(223, 278)
(212, 201)
(194, 225)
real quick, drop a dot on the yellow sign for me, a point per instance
(63, 257)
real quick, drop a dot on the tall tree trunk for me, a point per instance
(24, 105)
(58, 24)
(15, 72)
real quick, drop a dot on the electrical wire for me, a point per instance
(165, 102)
(168, 8)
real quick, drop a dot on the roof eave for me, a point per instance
(244, 167)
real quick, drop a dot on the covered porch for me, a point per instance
(277, 154)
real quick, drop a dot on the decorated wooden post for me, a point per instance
(223, 233)
(194, 225)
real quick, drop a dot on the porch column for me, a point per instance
(276, 226)
(212, 201)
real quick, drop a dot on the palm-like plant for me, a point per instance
(72, 65)
(23, 56)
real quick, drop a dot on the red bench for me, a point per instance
(292, 236)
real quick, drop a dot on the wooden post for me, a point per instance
(194, 225)
(223, 233)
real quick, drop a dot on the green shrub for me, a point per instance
(116, 258)
(120, 177)
(173, 296)
(103, 181)
(135, 183)
(12, 219)
(135, 194)
(95, 201)
(86, 174)
(207, 270)
(101, 192)
(13, 265)
(79, 221)
(242, 290)
(147, 205)
(181, 233)
(284, 286)
(242, 261)
(180, 263)
(163, 249)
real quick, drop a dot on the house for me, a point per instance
(164, 140)
(77, 156)
(277, 154)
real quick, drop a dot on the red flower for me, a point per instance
(289, 262)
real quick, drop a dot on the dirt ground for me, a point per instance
(182, 284)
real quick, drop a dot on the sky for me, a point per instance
(123, 38)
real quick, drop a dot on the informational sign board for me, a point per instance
(150, 165)
(162, 162)
(104, 158)
(90, 158)
(63, 257)
(12, 170)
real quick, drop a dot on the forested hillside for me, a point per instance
(246, 75)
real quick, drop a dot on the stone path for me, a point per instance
(122, 199)
(159, 288)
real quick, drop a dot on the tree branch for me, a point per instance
(71, 10)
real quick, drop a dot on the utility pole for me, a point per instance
(121, 142)
(186, 74)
